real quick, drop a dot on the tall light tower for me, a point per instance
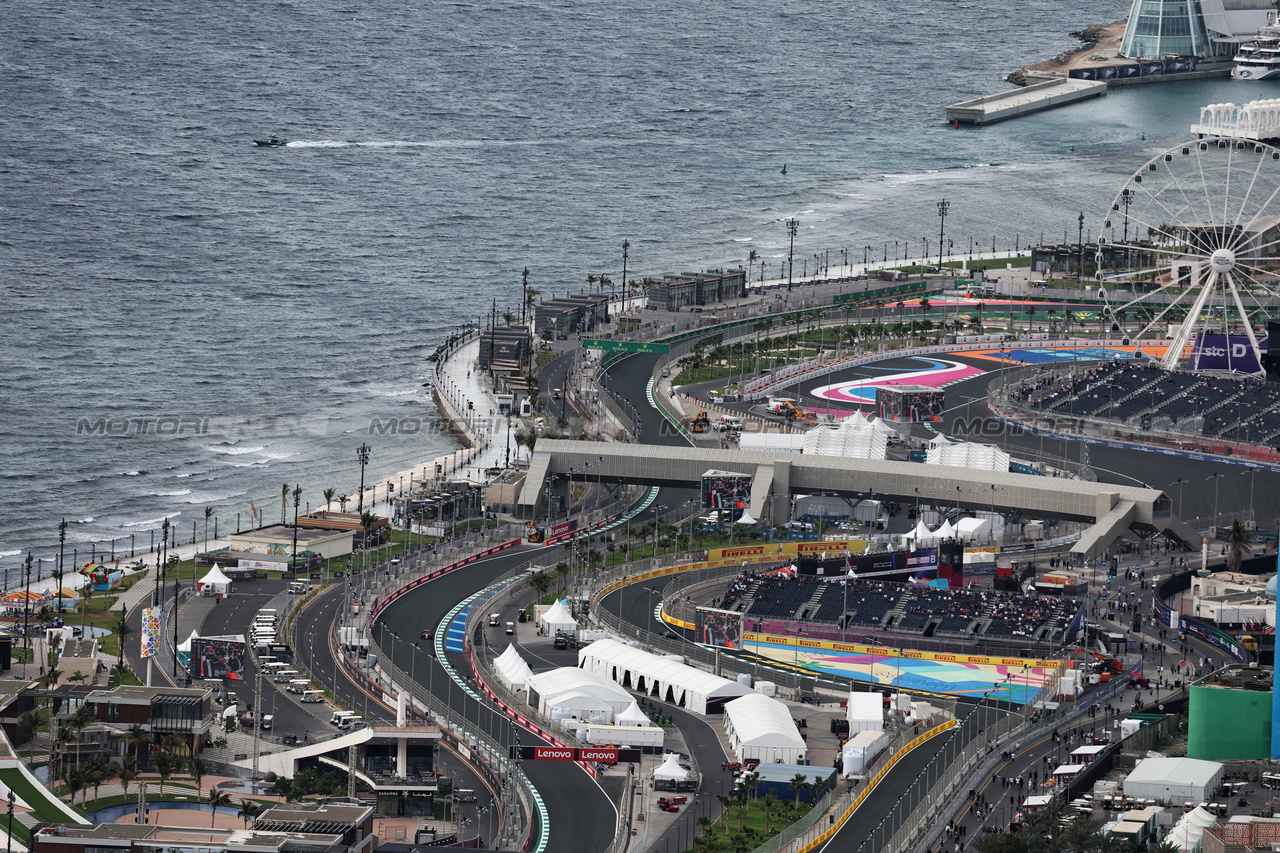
(362, 456)
(792, 225)
(942, 226)
(626, 244)
(1080, 246)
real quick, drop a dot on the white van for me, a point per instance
(284, 676)
(266, 722)
(511, 627)
(275, 666)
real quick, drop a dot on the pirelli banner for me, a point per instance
(821, 550)
(750, 638)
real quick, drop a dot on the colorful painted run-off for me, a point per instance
(933, 373)
(1006, 683)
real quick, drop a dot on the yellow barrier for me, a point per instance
(871, 784)
(855, 648)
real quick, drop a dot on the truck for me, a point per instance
(728, 423)
(791, 411)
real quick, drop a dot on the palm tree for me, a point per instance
(123, 631)
(174, 742)
(198, 768)
(208, 513)
(137, 737)
(540, 583)
(166, 764)
(328, 496)
(1237, 545)
(752, 257)
(1031, 315)
(284, 501)
(342, 502)
(723, 800)
(87, 593)
(217, 798)
(75, 784)
(751, 782)
(820, 787)
(249, 810)
(59, 743)
(128, 772)
(798, 783)
(704, 824)
(79, 721)
(770, 806)
(28, 726)
(591, 282)
(97, 772)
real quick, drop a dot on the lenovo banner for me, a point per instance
(604, 754)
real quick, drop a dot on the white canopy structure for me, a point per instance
(865, 712)
(558, 618)
(214, 583)
(972, 528)
(921, 535)
(761, 728)
(512, 670)
(671, 771)
(669, 680)
(967, 454)
(1187, 833)
(569, 692)
(946, 531)
(1174, 781)
(633, 716)
(853, 437)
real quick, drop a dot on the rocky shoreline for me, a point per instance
(1100, 43)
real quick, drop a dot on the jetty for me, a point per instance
(1026, 100)
(1256, 121)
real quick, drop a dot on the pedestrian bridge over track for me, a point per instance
(1111, 509)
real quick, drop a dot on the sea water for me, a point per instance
(192, 322)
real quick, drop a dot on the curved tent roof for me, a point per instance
(671, 770)
(186, 646)
(512, 669)
(760, 727)
(669, 680)
(215, 577)
(545, 688)
(633, 716)
(558, 616)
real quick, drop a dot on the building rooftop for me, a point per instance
(339, 813)
(118, 831)
(126, 692)
(1237, 677)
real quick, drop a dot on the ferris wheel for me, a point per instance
(1196, 231)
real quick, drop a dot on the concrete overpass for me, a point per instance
(1111, 509)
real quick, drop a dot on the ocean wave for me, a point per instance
(174, 494)
(10, 553)
(320, 143)
(213, 498)
(130, 473)
(150, 522)
(743, 239)
(89, 520)
(232, 450)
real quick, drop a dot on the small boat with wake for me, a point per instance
(272, 141)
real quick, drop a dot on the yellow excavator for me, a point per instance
(700, 422)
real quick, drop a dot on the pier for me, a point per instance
(1028, 99)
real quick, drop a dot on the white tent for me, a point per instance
(570, 692)
(762, 728)
(214, 583)
(946, 531)
(558, 618)
(852, 437)
(972, 528)
(922, 535)
(512, 670)
(671, 771)
(746, 518)
(186, 646)
(865, 712)
(966, 454)
(669, 680)
(1173, 781)
(633, 716)
(1188, 832)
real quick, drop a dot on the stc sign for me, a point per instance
(1218, 352)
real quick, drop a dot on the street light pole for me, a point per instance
(1080, 246)
(362, 456)
(943, 206)
(1215, 477)
(792, 225)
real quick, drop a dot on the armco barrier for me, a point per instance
(382, 605)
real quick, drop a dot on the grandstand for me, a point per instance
(901, 611)
(1144, 395)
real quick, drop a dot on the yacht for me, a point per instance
(1259, 59)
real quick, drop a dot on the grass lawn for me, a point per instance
(40, 800)
(784, 814)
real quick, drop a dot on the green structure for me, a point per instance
(1229, 715)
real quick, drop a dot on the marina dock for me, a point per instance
(1028, 99)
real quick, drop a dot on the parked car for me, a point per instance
(731, 766)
